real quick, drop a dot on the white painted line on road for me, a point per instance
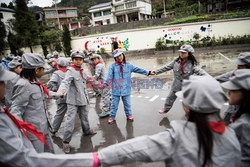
(139, 96)
(153, 98)
(146, 97)
(163, 98)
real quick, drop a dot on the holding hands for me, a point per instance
(152, 73)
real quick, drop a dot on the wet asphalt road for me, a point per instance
(145, 105)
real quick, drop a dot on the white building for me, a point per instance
(6, 15)
(119, 11)
(101, 14)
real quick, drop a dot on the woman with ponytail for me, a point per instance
(238, 88)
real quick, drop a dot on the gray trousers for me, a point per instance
(70, 120)
(58, 118)
(170, 100)
(40, 147)
(106, 100)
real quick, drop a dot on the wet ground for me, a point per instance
(145, 105)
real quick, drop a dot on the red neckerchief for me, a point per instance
(25, 126)
(78, 69)
(218, 127)
(94, 65)
(182, 66)
(121, 66)
(63, 69)
(56, 66)
(45, 89)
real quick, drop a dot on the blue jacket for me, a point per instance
(121, 86)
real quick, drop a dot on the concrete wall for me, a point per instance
(145, 38)
(138, 39)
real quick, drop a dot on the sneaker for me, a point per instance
(90, 132)
(66, 148)
(130, 118)
(103, 114)
(162, 111)
(111, 120)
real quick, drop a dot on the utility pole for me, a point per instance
(164, 6)
(57, 15)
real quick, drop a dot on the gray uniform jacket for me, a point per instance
(242, 129)
(9, 90)
(189, 69)
(75, 87)
(55, 82)
(100, 71)
(224, 77)
(16, 150)
(29, 105)
(177, 146)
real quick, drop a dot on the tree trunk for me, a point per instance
(31, 50)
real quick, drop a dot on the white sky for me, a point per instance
(41, 3)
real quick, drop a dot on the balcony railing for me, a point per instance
(60, 16)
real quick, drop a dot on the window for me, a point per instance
(108, 21)
(71, 11)
(97, 14)
(120, 7)
(117, 0)
(106, 12)
(50, 13)
(130, 5)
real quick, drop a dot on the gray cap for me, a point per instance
(77, 54)
(62, 55)
(91, 50)
(117, 52)
(186, 48)
(202, 94)
(240, 79)
(13, 64)
(243, 59)
(17, 58)
(55, 53)
(63, 62)
(49, 56)
(94, 56)
(6, 75)
(32, 61)
(51, 60)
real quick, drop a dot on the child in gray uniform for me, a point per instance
(202, 140)
(88, 60)
(98, 82)
(29, 99)
(53, 84)
(15, 66)
(238, 88)
(16, 148)
(242, 62)
(74, 85)
(184, 66)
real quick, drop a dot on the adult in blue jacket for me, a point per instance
(119, 80)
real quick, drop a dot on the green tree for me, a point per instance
(12, 41)
(52, 39)
(25, 26)
(66, 39)
(11, 6)
(2, 36)
(4, 5)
